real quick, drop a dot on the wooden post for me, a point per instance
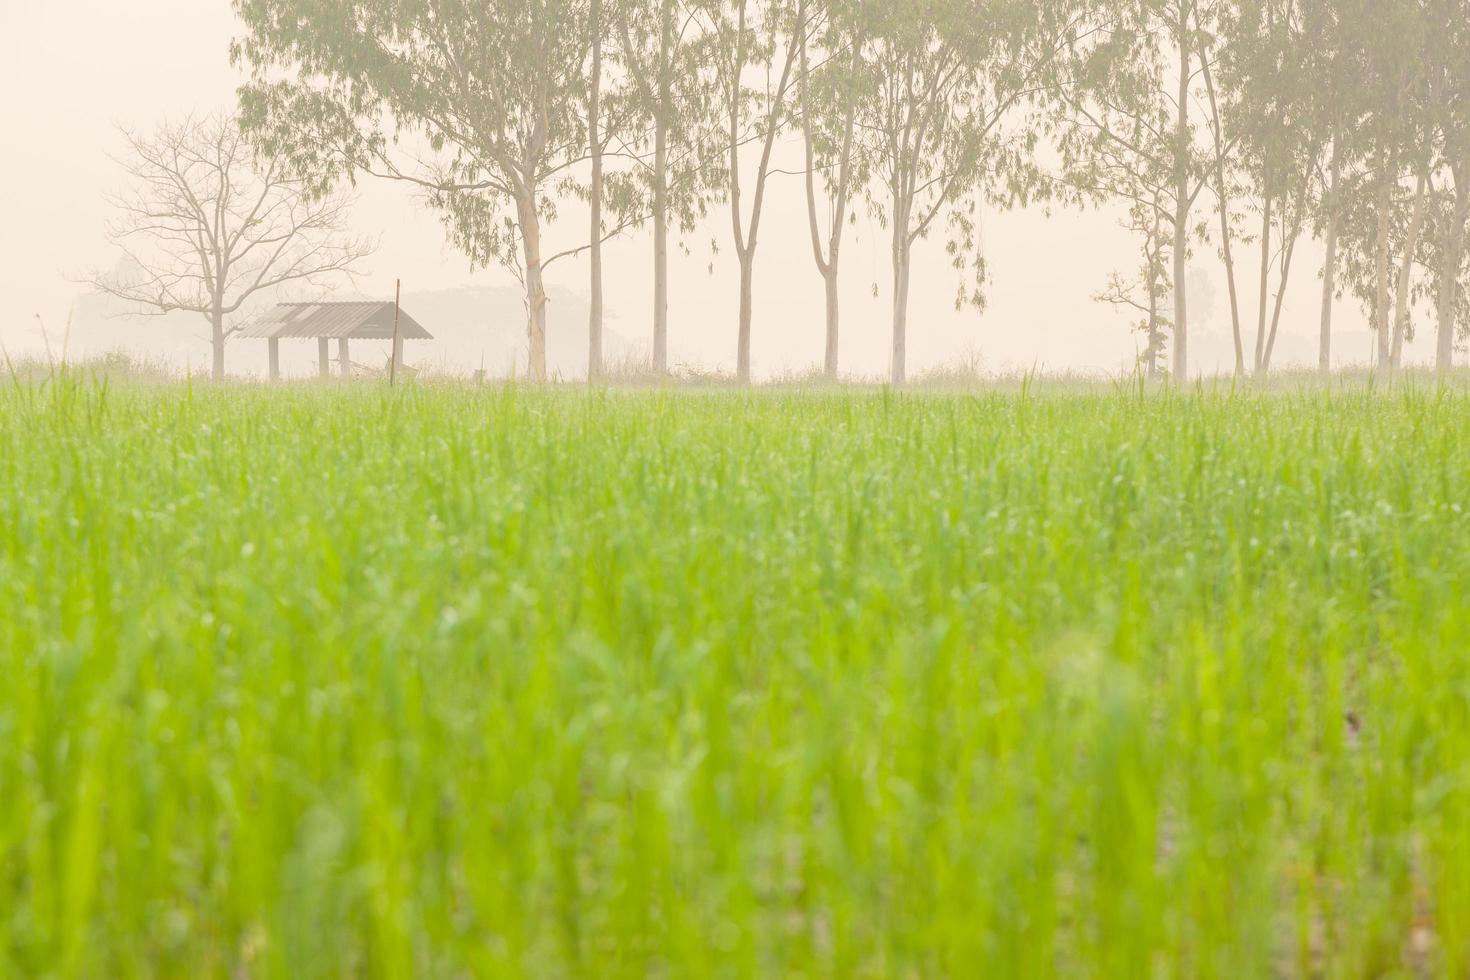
(275, 347)
(345, 356)
(324, 354)
(397, 340)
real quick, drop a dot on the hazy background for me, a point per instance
(75, 69)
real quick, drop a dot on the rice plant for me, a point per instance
(454, 681)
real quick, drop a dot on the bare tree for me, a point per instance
(206, 226)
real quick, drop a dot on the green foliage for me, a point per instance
(480, 105)
(661, 50)
(836, 88)
(467, 681)
(340, 84)
(948, 125)
(1395, 84)
(1117, 124)
(838, 84)
(1300, 115)
(1272, 59)
(1121, 116)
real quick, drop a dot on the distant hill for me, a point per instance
(473, 328)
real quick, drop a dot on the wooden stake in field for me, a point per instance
(397, 341)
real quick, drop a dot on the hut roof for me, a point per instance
(354, 321)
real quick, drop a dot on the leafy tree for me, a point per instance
(834, 82)
(209, 225)
(1446, 262)
(1281, 138)
(946, 125)
(596, 188)
(1219, 159)
(663, 48)
(754, 55)
(479, 104)
(1385, 216)
(1448, 84)
(1129, 133)
(1332, 49)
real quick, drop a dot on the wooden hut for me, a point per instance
(342, 322)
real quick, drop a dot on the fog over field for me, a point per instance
(735, 488)
(76, 69)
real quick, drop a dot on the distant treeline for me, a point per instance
(1242, 126)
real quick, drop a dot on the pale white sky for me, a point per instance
(75, 68)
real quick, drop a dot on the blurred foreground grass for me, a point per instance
(458, 681)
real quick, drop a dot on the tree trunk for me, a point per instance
(1265, 298)
(594, 112)
(217, 342)
(665, 112)
(1406, 271)
(1329, 271)
(661, 249)
(828, 263)
(1449, 283)
(530, 223)
(747, 278)
(1155, 339)
(1181, 302)
(1181, 204)
(1380, 273)
(1230, 286)
(1221, 194)
(1295, 236)
(745, 240)
(902, 263)
(829, 368)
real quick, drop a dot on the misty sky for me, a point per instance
(74, 69)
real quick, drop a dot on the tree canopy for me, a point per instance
(1342, 119)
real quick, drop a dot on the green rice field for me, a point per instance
(456, 681)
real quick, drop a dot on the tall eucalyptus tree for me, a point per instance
(479, 104)
(948, 126)
(833, 84)
(1128, 132)
(596, 186)
(755, 56)
(663, 49)
(1380, 97)
(1268, 71)
(1449, 89)
(1334, 59)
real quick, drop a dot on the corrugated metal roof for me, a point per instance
(355, 321)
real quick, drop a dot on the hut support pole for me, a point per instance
(397, 361)
(275, 348)
(324, 357)
(345, 356)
